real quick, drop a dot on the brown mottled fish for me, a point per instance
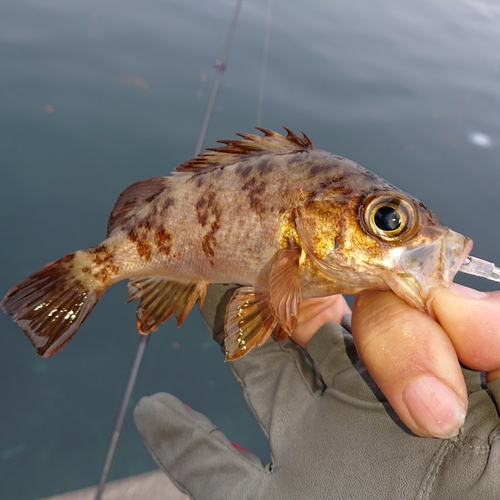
(273, 214)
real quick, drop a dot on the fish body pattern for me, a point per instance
(270, 213)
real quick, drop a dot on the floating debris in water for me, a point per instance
(479, 139)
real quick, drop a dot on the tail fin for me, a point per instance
(51, 304)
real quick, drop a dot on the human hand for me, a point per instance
(414, 359)
(316, 312)
(340, 440)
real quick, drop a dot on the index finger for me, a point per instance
(471, 320)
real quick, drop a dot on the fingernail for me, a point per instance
(434, 407)
(465, 291)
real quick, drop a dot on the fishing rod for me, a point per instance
(115, 438)
(220, 65)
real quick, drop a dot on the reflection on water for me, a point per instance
(96, 95)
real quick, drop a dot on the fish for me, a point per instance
(269, 213)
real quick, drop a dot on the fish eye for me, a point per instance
(389, 216)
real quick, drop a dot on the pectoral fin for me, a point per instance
(249, 321)
(162, 298)
(253, 314)
(285, 291)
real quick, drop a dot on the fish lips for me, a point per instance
(428, 266)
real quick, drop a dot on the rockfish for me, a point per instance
(270, 213)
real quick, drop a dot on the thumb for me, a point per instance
(194, 453)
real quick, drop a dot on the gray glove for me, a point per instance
(339, 439)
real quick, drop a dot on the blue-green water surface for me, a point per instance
(95, 95)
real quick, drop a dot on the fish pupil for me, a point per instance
(387, 218)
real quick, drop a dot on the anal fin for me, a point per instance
(249, 321)
(162, 298)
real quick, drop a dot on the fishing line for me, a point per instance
(108, 462)
(265, 51)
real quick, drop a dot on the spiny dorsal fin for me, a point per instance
(133, 197)
(250, 145)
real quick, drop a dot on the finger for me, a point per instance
(315, 312)
(275, 377)
(195, 454)
(413, 361)
(472, 321)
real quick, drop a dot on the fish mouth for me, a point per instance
(429, 266)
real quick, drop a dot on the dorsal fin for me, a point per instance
(133, 197)
(249, 145)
